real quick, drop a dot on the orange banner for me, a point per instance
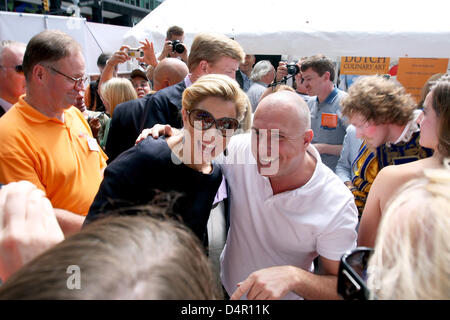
(413, 73)
(364, 65)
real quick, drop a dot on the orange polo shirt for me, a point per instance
(55, 156)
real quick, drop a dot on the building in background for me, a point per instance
(117, 12)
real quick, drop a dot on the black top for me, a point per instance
(131, 117)
(165, 107)
(239, 79)
(125, 126)
(135, 174)
(2, 111)
(95, 97)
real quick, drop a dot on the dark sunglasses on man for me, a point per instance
(203, 120)
(17, 68)
(352, 276)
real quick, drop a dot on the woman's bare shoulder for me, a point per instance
(403, 172)
(390, 179)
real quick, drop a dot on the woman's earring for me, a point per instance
(225, 152)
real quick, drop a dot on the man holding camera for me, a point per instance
(329, 126)
(174, 46)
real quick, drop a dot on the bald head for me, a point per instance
(280, 138)
(168, 72)
(287, 108)
(12, 82)
(10, 47)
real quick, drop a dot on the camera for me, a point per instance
(134, 53)
(292, 68)
(177, 46)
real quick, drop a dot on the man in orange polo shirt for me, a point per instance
(46, 140)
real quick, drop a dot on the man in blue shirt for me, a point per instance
(327, 123)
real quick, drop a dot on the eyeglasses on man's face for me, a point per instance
(352, 276)
(18, 68)
(203, 120)
(78, 82)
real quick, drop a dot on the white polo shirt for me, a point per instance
(290, 228)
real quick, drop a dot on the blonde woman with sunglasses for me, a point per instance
(211, 111)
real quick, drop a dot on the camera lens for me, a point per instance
(177, 46)
(292, 68)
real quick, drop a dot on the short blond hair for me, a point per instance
(219, 86)
(412, 251)
(116, 91)
(379, 100)
(211, 47)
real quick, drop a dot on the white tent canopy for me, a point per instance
(383, 28)
(94, 38)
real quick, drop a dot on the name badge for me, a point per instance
(329, 120)
(92, 143)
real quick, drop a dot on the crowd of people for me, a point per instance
(202, 176)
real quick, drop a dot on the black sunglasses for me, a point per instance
(203, 120)
(352, 276)
(17, 68)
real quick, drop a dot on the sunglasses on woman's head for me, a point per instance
(203, 120)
